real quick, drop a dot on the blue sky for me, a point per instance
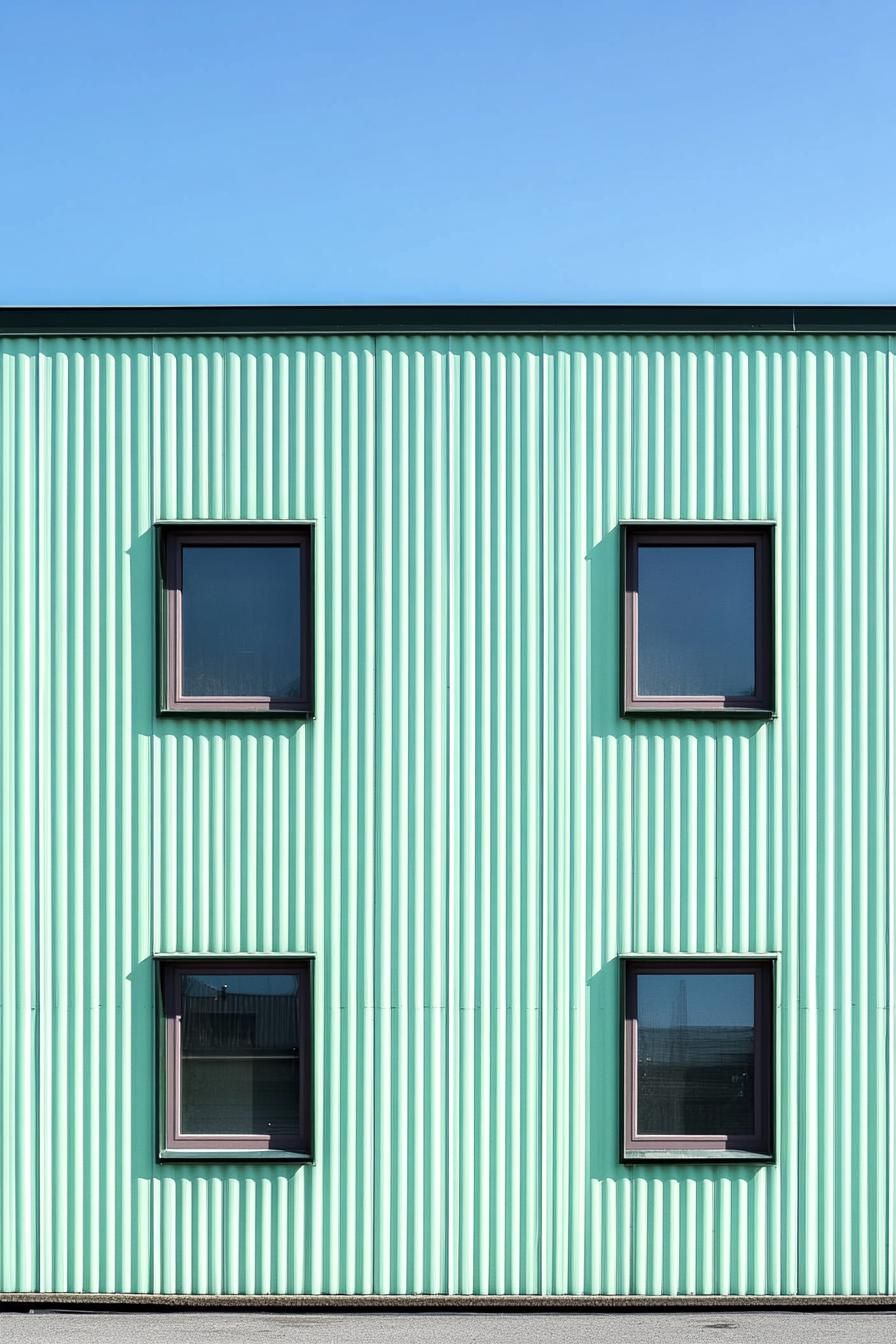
(210, 151)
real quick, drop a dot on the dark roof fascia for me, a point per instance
(408, 319)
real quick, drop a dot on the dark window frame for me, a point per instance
(173, 1142)
(172, 539)
(758, 535)
(756, 1147)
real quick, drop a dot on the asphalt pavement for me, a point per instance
(238, 1327)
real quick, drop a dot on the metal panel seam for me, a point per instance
(542, 882)
(632, 507)
(890, 1162)
(37, 895)
(449, 768)
(795, 950)
(376, 986)
(450, 1031)
(155, 466)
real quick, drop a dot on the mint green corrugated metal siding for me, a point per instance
(496, 852)
(93, 835)
(18, 822)
(468, 835)
(723, 836)
(407, 1102)
(265, 835)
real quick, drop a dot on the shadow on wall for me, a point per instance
(144, 583)
(604, 581)
(606, 722)
(143, 1138)
(605, 1078)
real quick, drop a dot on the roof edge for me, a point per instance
(448, 319)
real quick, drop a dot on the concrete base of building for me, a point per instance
(317, 1302)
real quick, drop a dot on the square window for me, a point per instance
(237, 619)
(697, 1058)
(237, 1068)
(698, 621)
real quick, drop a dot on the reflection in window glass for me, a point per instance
(696, 1053)
(240, 1054)
(696, 620)
(241, 614)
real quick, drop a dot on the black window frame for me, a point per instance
(758, 1147)
(174, 1143)
(173, 537)
(759, 535)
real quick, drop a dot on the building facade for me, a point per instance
(447, 838)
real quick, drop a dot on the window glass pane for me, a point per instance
(240, 1096)
(241, 613)
(239, 1053)
(696, 1053)
(696, 620)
